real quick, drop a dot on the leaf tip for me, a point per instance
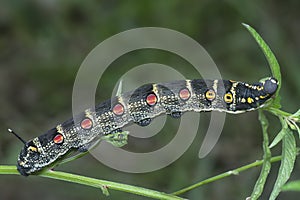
(246, 25)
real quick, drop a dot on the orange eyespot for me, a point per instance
(184, 94)
(210, 95)
(118, 109)
(58, 139)
(151, 99)
(228, 98)
(86, 123)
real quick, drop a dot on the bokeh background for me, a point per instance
(42, 44)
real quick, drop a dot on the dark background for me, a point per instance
(43, 43)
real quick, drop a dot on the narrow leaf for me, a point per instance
(294, 126)
(260, 183)
(117, 139)
(281, 134)
(289, 153)
(296, 116)
(298, 129)
(273, 63)
(292, 186)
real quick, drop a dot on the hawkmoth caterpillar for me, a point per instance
(141, 106)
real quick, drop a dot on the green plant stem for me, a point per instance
(225, 174)
(95, 183)
(278, 112)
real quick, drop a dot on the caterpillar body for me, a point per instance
(141, 106)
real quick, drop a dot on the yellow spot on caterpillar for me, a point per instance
(250, 100)
(228, 98)
(32, 148)
(210, 95)
(260, 88)
(262, 97)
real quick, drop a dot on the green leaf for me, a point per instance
(292, 124)
(292, 186)
(117, 139)
(289, 153)
(273, 63)
(298, 129)
(104, 189)
(296, 116)
(260, 183)
(293, 119)
(281, 134)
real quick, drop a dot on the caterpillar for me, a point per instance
(141, 106)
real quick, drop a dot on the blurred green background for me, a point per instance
(43, 43)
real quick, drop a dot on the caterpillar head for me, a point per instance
(270, 86)
(42, 151)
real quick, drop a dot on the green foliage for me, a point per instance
(281, 134)
(273, 63)
(292, 186)
(288, 122)
(260, 183)
(287, 163)
(117, 139)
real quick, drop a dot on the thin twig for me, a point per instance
(226, 174)
(83, 180)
